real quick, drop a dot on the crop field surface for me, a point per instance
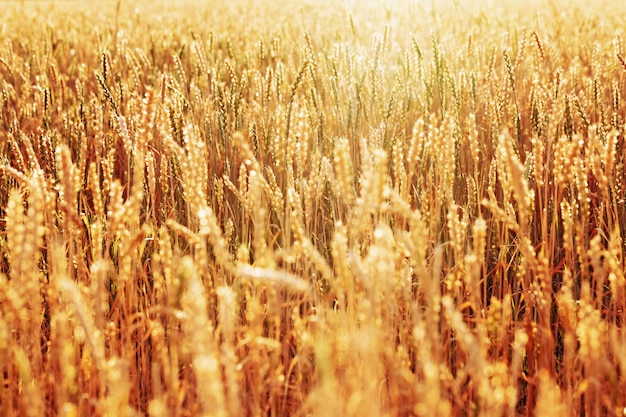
(312, 208)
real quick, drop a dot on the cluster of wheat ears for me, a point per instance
(312, 209)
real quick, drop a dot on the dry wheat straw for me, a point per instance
(311, 220)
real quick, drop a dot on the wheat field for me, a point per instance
(383, 208)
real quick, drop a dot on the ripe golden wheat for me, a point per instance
(312, 209)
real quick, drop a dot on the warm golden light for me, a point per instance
(312, 208)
